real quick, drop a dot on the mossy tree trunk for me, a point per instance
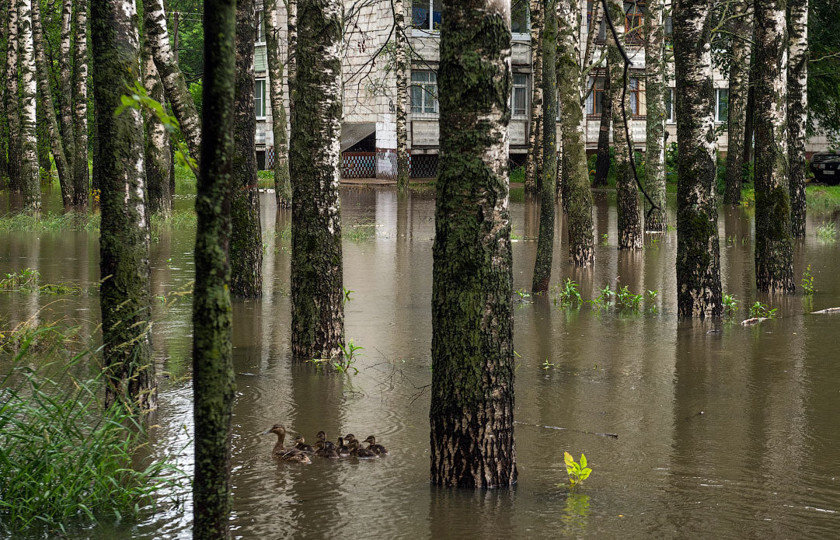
(65, 173)
(30, 183)
(548, 168)
(533, 165)
(158, 158)
(317, 287)
(246, 238)
(739, 83)
(698, 252)
(629, 217)
(4, 127)
(602, 161)
(65, 71)
(401, 68)
(797, 113)
(655, 88)
(773, 244)
(81, 174)
(124, 236)
(577, 195)
(282, 183)
(174, 83)
(472, 403)
(213, 377)
(12, 97)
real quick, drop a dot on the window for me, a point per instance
(722, 104)
(260, 26)
(595, 101)
(669, 106)
(424, 92)
(635, 96)
(519, 97)
(669, 25)
(425, 14)
(633, 20)
(519, 17)
(259, 98)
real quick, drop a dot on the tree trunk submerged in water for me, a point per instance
(124, 237)
(316, 276)
(739, 83)
(246, 238)
(533, 165)
(66, 82)
(213, 377)
(655, 89)
(30, 183)
(797, 113)
(81, 174)
(11, 99)
(698, 251)
(472, 403)
(401, 68)
(282, 183)
(548, 167)
(158, 157)
(774, 245)
(602, 162)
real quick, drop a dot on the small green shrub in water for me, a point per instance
(808, 282)
(63, 459)
(27, 281)
(827, 232)
(626, 300)
(578, 472)
(567, 294)
(730, 305)
(344, 362)
(759, 310)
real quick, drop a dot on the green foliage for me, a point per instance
(360, 231)
(344, 362)
(63, 459)
(347, 292)
(517, 175)
(27, 281)
(822, 199)
(626, 300)
(759, 310)
(48, 222)
(730, 305)
(827, 232)
(824, 68)
(578, 472)
(808, 282)
(567, 295)
(622, 299)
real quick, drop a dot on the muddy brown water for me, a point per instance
(723, 431)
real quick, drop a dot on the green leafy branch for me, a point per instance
(578, 472)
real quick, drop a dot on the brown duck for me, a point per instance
(280, 451)
(358, 451)
(377, 449)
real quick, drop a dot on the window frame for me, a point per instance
(257, 84)
(524, 88)
(425, 93)
(521, 36)
(718, 108)
(431, 28)
(670, 112)
(634, 11)
(260, 29)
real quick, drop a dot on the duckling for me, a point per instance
(377, 449)
(281, 452)
(349, 437)
(301, 445)
(343, 450)
(359, 452)
(322, 450)
(321, 436)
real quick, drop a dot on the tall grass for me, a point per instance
(64, 461)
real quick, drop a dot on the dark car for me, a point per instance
(826, 167)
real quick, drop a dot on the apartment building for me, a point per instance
(369, 126)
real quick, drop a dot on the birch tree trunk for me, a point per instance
(316, 277)
(29, 180)
(282, 183)
(401, 68)
(797, 113)
(81, 174)
(4, 126)
(548, 167)
(655, 89)
(124, 237)
(12, 97)
(65, 174)
(773, 244)
(213, 377)
(292, 38)
(533, 165)
(698, 252)
(174, 83)
(602, 162)
(65, 67)
(158, 157)
(629, 219)
(739, 83)
(246, 238)
(472, 402)
(577, 196)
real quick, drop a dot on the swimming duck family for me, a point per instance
(281, 452)
(347, 446)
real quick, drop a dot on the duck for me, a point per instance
(322, 450)
(349, 437)
(343, 450)
(358, 451)
(322, 437)
(301, 445)
(377, 449)
(281, 452)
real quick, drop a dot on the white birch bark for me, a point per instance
(158, 157)
(11, 99)
(282, 184)
(655, 117)
(29, 180)
(81, 181)
(739, 83)
(797, 115)
(401, 69)
(533, 167)
(65, 66)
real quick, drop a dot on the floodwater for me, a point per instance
(723, 431)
